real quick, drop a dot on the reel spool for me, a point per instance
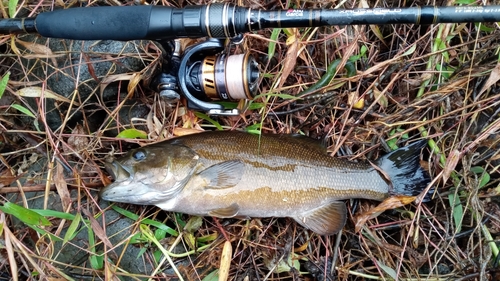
(223, 77)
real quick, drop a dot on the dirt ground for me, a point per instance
(362, 90)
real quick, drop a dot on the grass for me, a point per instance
(364, 89)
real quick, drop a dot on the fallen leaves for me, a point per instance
(388, 204)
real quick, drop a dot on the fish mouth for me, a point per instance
(119, 174)
(117, 171)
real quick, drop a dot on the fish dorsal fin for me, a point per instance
(310, 143)
(223, 175)
(227, 212)
(327, 219)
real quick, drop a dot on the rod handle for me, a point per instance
(122, 23)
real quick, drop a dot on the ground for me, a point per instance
(363, 90)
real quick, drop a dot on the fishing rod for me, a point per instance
(201, 78)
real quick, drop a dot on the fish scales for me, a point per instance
(235, 174)
(276, 166)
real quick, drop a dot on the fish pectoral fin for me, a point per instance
(223, 175)
(227, 212)
(327, 219)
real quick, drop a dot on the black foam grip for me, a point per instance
(96, 23)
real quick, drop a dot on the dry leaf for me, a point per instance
(13, 45)
(290, 58)
(98, 230)
(42, 51)
(62, 186)
(225, 261)
(136, 79)
(6, 177)
(114, 78)
(90, 67)
(451, 163)
(494, 77)
(374, 28)
(380, 98)
(178, 132)
(78, 140)
(388, 204)
(38, 92)
(154, 132)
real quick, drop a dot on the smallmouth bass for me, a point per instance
(235, 174)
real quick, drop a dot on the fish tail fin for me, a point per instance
(405, 172)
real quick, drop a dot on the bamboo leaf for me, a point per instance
(25, 215)
(24, 110)
(12, 8)
(132, 134)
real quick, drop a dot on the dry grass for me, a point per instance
(406, 86)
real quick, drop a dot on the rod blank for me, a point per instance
(222, 20)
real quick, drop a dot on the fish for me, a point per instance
(232, 174)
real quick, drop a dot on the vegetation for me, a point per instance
(363, 89)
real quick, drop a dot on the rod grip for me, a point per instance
(98, 23)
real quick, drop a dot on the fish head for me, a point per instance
(150, 175)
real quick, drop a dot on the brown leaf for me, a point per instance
(6, 177)
(113, 78)
(61, 186)
(98, 230)
(380, 98)
(492, 79)
(388, 204)
(78, 140)
(416, 259)
(90, 67)
(290, 58)
(451, 163)
(39, 49)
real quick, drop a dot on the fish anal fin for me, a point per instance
(223, 175)
(327, 219)
(227, 212)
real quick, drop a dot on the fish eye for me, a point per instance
(139, 155)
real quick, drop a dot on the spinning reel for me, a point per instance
(205, 73)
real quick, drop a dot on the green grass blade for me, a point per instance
(135, 217)
(458, 211)
(3, 83)
(271, 49)
(24, 110)
(71, 232)
(207, 118)
(56, 214)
